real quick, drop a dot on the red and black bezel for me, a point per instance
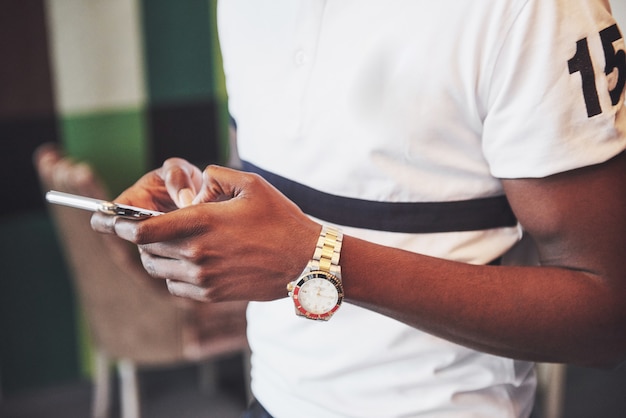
(336, 282)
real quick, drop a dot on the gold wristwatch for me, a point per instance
(318, 292)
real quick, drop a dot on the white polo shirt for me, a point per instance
(411, 101)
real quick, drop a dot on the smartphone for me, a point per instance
(97, 205)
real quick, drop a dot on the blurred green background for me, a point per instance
(121, 84)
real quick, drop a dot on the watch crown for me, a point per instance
(290, 287)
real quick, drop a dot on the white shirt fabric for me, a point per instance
(408, 101)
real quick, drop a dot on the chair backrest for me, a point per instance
(130, 314)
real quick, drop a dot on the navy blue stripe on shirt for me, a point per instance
(408, 217)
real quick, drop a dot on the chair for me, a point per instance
(132, 319)
(551, 381)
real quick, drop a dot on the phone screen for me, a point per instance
(98, 205)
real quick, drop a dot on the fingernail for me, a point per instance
(185, 197)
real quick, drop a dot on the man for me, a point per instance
(400, 126)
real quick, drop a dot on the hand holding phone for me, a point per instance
(97, 205)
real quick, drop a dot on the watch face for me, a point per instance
(318, 295)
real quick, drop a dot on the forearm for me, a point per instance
(572, 309)
(533, 313)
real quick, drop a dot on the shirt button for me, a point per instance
(301, 58)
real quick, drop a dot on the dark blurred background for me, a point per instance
(120, 84)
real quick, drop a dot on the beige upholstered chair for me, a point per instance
(551, 381)
(132, 319)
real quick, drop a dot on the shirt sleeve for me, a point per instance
(556, 97)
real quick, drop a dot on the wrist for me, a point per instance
(318, 293)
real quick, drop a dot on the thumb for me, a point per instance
(182, 180)
(220, 183)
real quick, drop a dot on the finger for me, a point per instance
(189, 291)
(176, 226)
(182, 180)
(163, 267)
(103, 223)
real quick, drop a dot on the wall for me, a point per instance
(619, 11)
(121, 84)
